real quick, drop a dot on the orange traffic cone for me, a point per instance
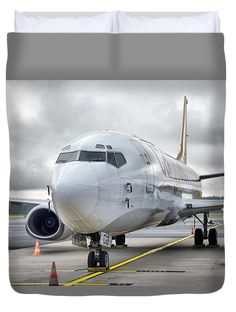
(37, 249)
(53, 279)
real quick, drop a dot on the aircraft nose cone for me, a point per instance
(75, 194)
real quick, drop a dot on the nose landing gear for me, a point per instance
(98, 259)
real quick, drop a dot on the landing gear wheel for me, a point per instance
(98, 260)
(198, 237)
(212, 237)
(91, 260)
(120, 240)
(104, 260)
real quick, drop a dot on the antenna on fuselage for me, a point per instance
(182, 156)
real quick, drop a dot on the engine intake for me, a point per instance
(42, 223)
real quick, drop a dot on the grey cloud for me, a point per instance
(44, 115)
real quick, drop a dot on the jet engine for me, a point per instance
(43, 223)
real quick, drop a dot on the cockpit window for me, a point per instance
(67, 157)
(100, 146)
(120, 159)
(111, 159)
(116, 159)
(92, 156)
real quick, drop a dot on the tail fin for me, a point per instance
(182, 156)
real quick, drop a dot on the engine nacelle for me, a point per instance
(42, 223)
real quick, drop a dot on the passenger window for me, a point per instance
(111, 159)
(120, 159)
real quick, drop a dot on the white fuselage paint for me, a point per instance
(91, 197)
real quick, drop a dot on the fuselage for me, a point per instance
(115, 183)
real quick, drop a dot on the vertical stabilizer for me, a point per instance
(182, 156)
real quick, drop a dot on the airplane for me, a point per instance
(106, 184)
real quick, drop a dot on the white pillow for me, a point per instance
(204, 22)
(98, 23)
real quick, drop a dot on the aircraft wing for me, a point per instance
(196, 206)
(27, 204)
(28, 201)
(211, 176)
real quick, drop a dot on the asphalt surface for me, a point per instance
(179, 268)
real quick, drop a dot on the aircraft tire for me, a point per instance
(104, 260)
(212, 237)
(91, 259)
(198, 237)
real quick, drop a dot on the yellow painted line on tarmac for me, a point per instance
(83, 279)
(71, 270)
(150, 252)
(33, 284)
(60, 284)
(118, 265)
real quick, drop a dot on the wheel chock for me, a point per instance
(97, 269)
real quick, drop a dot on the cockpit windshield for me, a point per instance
(113, 158)
(67, 157)
(92, 156)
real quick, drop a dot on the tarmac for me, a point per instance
(156, 261)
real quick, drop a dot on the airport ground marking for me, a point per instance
(62, 284)
(152, 251)
(62, 270)
(32, 284)
(118, 265)
(94, 284)
(82, 281)
(15, 217)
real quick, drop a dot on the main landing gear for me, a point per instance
(200, 234)
(97, 258)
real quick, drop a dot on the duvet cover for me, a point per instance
(116, 163)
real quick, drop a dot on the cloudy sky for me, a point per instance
(44, 115)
